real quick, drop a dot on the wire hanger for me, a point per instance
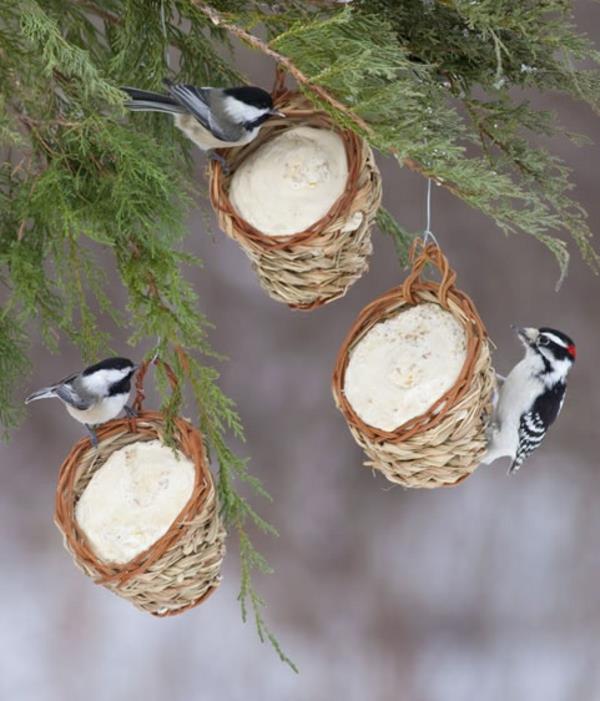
(428, 233)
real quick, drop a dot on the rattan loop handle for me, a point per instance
(430, 253)
(141, 375)
(279, 84)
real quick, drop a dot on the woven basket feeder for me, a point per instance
(444, 445)
(182, 568)
(307, 269)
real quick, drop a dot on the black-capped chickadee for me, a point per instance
(95, 395)
(532, 395)
(210, 117)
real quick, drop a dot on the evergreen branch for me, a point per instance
(402, 239)
(252, 560)
(493, 198)
(216, 415)
(14, 366)
(487, 197)
(219, 21)
(86, 176)
(320, 93)
(44, 32)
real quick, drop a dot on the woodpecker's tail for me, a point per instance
(515, 465)
(46, 393)
(144, 101)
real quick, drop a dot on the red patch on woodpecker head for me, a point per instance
(571, 350)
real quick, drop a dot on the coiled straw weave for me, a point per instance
(444, 445)
(318, 265)
(182, 568)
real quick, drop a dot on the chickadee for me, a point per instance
(95, 395)
(210, 117)
(532, 395)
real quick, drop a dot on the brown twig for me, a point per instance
(153, 292)
(219, 21)
(31, 127)
(419, 168)
(59, 121)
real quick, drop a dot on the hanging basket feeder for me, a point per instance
(445, 444)
(312, 267)
(182, 568)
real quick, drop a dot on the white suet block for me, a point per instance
(291, 181)
(133, 499)
(404, 364)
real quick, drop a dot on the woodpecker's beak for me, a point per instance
(527, 334)
(277, 113)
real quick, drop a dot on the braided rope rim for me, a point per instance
(443, 445)
(182, 568)
(317, 265)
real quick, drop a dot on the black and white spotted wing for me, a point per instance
(535, 423)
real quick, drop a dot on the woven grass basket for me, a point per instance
(316, 266)
(182, 568)
(444, 445)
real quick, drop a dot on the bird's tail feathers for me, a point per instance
(145, 101)
(46, 393)
(514, 467)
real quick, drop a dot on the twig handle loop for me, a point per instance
(429, 253)
(141, 376)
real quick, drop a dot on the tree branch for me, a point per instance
(220, 21)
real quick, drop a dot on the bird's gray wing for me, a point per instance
(221, 125)
(198, 102)
(195, 100)
(69, 394)
(531, 433)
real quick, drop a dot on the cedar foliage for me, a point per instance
(437, 84)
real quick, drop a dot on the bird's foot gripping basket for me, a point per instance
(179, 569)
(444, 438)
(319, 184)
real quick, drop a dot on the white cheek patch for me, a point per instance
(560, 369)
(241, 113)
(99, 382)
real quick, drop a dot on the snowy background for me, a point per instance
(490, 591)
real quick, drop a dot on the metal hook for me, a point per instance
(428, 233)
